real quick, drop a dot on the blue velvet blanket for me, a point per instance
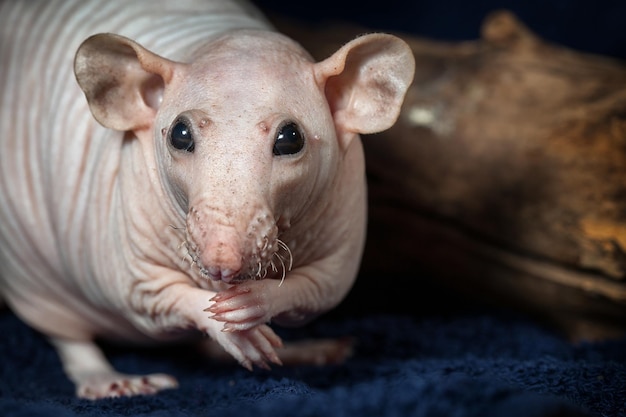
(466, 364)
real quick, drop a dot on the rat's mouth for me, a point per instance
(216, 274)
(272, 261)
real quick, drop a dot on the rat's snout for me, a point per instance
(232, 245)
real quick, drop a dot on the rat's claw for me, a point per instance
(272, 337)
(259, 362)
(246, 364)
(239, 317)
(238, 327)
(253, 347)
(263, 365)
(267, 346)
(231, 292)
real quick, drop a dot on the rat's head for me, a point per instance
(248, 137)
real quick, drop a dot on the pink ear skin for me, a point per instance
(123, 81)
(365, 82)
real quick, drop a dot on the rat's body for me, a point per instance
(211, 184)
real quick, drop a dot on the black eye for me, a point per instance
(181, 137)
(289, 140)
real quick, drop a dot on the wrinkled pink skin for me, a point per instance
(179, 243)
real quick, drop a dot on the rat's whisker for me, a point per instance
(284, 246)
(284, 272)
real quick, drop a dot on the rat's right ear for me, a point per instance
(123, 81)
(366, 80)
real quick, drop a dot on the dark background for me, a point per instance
(597, 27)
(591, 26)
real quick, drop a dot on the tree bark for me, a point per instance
(505, 175)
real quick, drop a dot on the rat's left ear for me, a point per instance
(365, 82)
(123, 81)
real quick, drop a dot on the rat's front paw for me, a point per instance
(255, 346)
(241, 307)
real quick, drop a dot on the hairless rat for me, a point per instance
(177, 170)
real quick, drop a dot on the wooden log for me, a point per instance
(505, 176)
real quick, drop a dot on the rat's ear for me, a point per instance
(366, 80)
(123, 81)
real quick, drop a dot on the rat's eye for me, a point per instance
(181, 137)
(289, 140)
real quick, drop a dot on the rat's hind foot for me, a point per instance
(94, 377)
(318, 352)
(109, 385)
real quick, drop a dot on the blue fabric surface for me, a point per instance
(466, 364)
